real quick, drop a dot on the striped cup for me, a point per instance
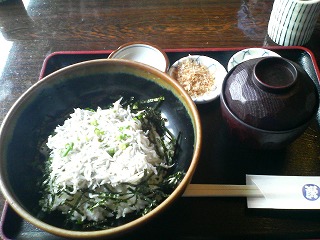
(292, 21)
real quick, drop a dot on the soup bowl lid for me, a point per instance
(270, 93)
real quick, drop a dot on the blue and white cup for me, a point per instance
(292, 21)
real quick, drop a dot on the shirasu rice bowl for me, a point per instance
(105, 164)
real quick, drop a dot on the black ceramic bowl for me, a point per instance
(268, 102)
(89, 84)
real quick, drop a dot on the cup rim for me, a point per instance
(308, 2)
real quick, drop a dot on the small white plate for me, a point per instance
(142, 52)
(215, 68)
(249, 53)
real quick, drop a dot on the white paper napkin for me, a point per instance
(285, 192)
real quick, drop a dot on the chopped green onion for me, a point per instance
(68, 148)
(94, 123)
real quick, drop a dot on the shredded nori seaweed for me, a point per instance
(152, 194)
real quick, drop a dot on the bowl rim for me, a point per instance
(141, 43)
(195, 118)
(223, 101)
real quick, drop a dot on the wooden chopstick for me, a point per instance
(221, 190)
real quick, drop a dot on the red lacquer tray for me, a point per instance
(222, 162)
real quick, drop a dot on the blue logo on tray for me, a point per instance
(311, 192)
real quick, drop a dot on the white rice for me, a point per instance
(95, 149)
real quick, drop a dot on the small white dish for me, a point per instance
(144, 53)
(215, 69)
(249, 53)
